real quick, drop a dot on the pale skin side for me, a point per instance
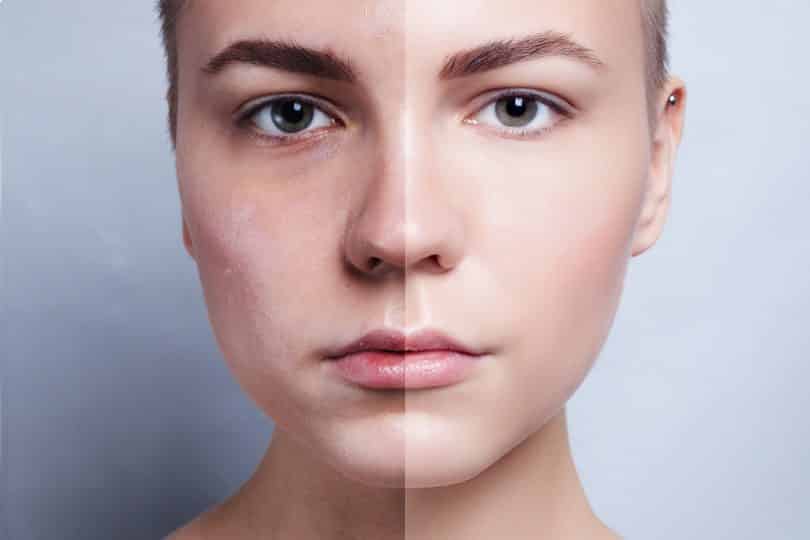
(515, 245)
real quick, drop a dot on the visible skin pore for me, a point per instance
(517, 246)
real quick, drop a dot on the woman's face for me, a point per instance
(514, 244)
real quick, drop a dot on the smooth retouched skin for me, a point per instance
(517, 246)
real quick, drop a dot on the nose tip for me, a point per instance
(406, 221)
(384, 239)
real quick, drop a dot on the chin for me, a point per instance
(440, 452)
(407, 451)
(368, 451)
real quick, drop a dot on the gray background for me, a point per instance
(121, 421)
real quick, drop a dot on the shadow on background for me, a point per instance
(120, 419)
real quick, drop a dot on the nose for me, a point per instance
(407, 221)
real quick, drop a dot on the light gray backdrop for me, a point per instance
(693, 424)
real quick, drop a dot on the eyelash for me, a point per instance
(246, 113)
(556, 105)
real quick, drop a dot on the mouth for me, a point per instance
(391, 359)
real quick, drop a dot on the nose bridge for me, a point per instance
(406, 221)
(431, 221)
(376, 235)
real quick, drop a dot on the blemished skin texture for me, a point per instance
(516, 245)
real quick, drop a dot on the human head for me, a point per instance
(515, 244)
(654, 13)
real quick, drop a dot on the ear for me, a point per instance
(187, 239)
(665, 141)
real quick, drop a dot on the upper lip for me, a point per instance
(392, 340)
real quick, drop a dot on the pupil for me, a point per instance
(516, 110)
(516, 106)
(292, 115)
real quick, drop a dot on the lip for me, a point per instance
(390, 359)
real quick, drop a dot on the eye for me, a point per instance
(285, 118)
(521, 113)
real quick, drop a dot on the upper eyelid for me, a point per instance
(563, 106)
(251, 107)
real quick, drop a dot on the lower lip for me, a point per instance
(412, 370)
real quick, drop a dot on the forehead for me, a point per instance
(381, 35)
(346, 25)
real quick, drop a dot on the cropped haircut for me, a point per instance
(655, 17)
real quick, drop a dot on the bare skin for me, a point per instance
(516, 244)
(539, 472)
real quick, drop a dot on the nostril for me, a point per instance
(374, 262)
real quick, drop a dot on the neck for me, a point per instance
(533, 491)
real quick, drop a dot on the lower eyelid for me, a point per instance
(521, 133)
(302, 141)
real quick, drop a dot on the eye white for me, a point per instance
(543, 119)
(263, 120)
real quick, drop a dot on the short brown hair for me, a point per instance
(655, 18)
(656, 28)
(169, 12)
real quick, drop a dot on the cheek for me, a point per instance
(243, 282)
(557, 240)
(262, 266)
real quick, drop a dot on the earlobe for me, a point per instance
(665, 141)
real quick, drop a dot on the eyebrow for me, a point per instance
(284, 55)
(500, 53)
(296, 58)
